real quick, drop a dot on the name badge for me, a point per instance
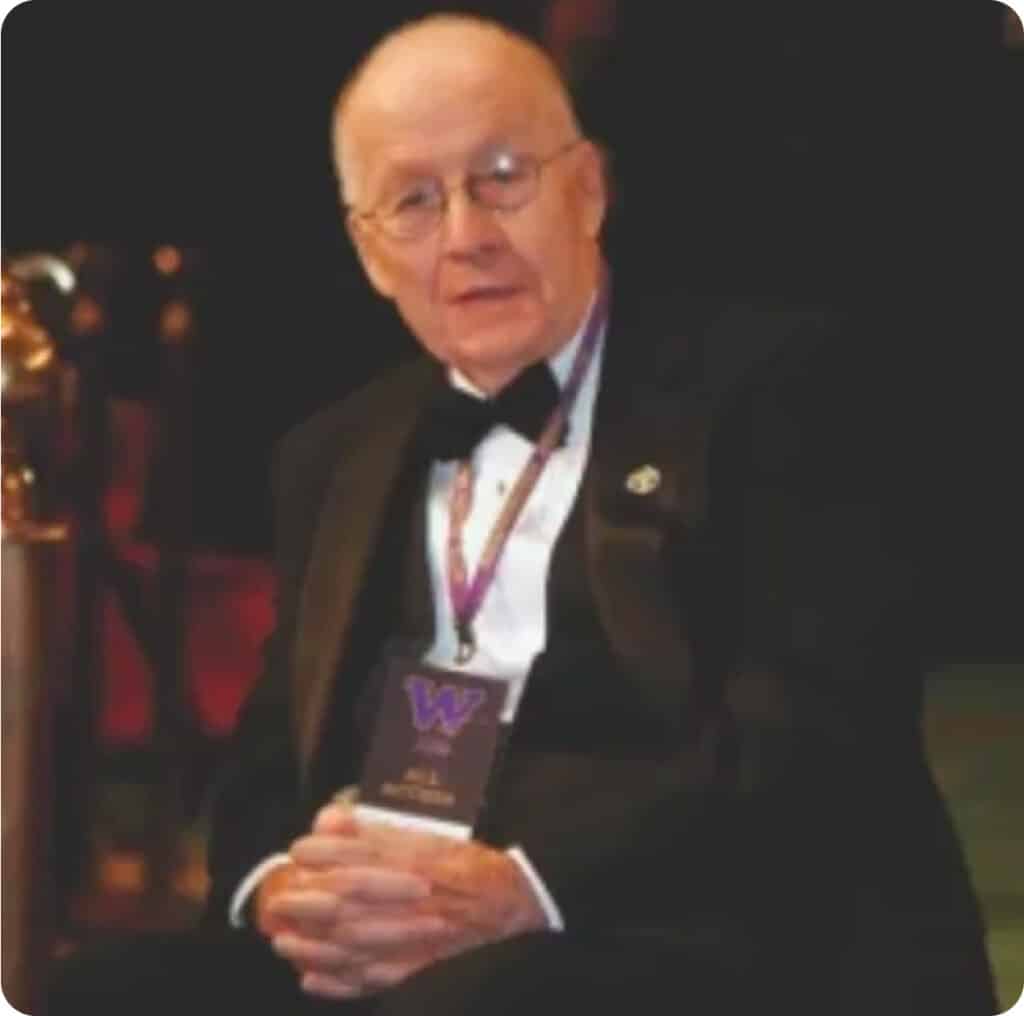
(433, 748)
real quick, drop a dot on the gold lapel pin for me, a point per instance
(644, 480)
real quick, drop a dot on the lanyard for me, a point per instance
(467, 594)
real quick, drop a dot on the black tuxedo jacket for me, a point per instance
(764, 604)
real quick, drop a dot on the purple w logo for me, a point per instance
(447, 706)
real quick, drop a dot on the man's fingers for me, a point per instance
(336, 819)
(378, 976)
(317, 956)
(378, 885)
(375, 978)
(315, 905)
(326, 986)
(395, 932)
(323, 851)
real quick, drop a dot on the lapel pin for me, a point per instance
(643, 480)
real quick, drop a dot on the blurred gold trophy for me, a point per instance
(33, 410)
(34, 538)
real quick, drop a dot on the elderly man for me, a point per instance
(654, 528)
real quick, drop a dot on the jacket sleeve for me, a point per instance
(254, 807)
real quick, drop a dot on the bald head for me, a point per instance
(444, 59)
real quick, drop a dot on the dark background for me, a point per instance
(866, 157)
(788, 152)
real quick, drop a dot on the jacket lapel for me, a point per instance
(649, 539)
(345, 542)
(644, 490)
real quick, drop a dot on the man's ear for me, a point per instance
(370, 257)
(593, 180)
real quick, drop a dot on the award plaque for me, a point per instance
(431, 755)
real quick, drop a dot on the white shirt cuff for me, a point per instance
(540, 890)
(236, 909)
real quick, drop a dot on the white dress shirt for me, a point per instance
(511, 625)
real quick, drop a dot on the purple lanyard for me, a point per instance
(467, 594)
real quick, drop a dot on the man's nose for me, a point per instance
(468, 227)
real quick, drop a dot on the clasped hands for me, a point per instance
(363, 905)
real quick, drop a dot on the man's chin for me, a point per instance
(491, 360)
(496, 341)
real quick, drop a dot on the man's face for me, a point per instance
(488, 291)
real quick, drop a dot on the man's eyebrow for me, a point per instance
(397, 176)
(401, 171)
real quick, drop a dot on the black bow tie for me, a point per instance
(456, 422)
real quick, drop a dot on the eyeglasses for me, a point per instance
(500, 180)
